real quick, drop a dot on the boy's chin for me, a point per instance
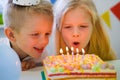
(37, 56)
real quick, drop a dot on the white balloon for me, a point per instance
(10, 66)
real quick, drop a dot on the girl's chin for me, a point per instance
(76, 46)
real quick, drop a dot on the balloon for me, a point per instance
(53, 1)
(10, 66)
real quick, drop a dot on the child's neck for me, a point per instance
(20, 53)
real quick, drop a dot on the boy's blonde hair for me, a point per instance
(99, 43)
(14, 15)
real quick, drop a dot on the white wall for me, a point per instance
(114, 32)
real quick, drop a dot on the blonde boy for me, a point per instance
(28, 25)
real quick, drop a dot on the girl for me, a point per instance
(78, 25)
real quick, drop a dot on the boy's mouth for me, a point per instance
(39, 50)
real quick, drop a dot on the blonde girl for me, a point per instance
(77, 24)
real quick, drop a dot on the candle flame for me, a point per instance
(83, 51)
(61, 51)
(77, 50)
(72, 49)
(67, 49)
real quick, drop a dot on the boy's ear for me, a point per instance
(10, 34)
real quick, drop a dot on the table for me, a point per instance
(116, 64)
(35, 74)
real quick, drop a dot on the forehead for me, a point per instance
(77, 10)
(36, 19)
(22, 17)
(76, 14)
(37, 23)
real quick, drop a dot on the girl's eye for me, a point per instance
(67, 26)
(35, 34)
(83, 26)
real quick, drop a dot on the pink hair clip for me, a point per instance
(26, 2)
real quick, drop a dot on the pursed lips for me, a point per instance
(76, 44)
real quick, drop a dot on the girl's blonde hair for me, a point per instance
(14, 15)
(99, 43)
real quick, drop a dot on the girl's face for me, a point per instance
(76, 28)
(34, 35)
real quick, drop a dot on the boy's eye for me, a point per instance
(47, 34)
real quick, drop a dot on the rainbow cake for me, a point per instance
(78, 67)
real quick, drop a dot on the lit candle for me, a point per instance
(83, 53)
(61, 52)
(67, 50)
(72, 49)
(77, 53)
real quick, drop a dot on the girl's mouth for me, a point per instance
(76, 44)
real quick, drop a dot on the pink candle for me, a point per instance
(83, 53)
(72, 49)
(77, 53)
(61, 52)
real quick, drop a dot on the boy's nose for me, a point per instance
(43, 41)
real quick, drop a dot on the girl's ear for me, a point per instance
(10, 34)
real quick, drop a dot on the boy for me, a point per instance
(28, 25)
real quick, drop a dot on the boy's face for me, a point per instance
(76, 28)
(34, 35)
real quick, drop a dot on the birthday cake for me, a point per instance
(78, 67)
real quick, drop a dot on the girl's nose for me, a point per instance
(76, 33)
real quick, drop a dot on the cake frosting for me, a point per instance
(78, 66)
